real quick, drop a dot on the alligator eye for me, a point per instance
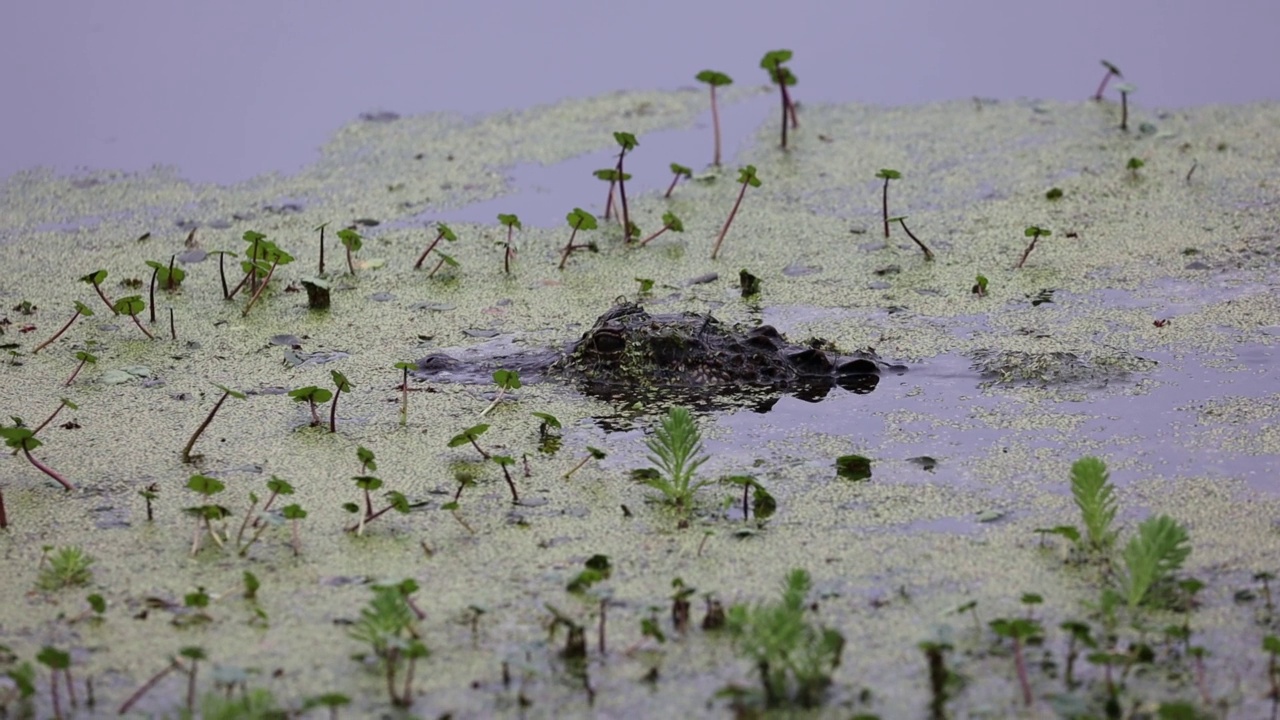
(858, 366)
(608, 342)
(810, 362)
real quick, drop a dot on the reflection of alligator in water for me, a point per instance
(629, 353)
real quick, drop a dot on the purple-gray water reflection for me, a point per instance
(229, 90)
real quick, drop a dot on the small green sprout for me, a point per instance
(714, 79)
(81, 309)
(509, 252)
(67, 567)
(596, 568)
(166, 275)
(277, 487)
(387, 625)
(469, 436)
(264, 258)
(612, 176)
(368, 463)
(293, 513)
(444, 232)
(578, 219)
(1133, 166)
(980, 285)
(352, 241)
(86, 358)
(764, 504)
(902, 222)
(676, 453)
(853, 467)
(1095, 496)
(342, 384)
(1054, 193)
(149, 493)
(1112, 71)
(404, 368)
(1153, 556)
(627, 142)
(593, 453)
(1021, 631)
(887, 175)
(1035, 232)
(205, 514)
(669, 222)
(227, 392)
(367, 484)
(505, 462)
(194, 655)
(746, 176)
(1125, 90)
(23, 439)
(795, 658)
(311, 395)
(646, 286)
(505, 380)
(782, 77)
(59, 664)
(95, 279)
(678, 171)
(131, 306)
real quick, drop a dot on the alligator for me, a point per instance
(630, 353)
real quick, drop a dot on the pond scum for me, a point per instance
(193, 528)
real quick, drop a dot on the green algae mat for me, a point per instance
(384, 569)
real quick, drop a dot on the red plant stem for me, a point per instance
(783, 87)
(622, 192)
(479, 450)
(58, 334)
(350, 265)
(672, 186)
(928, 254)
(1021, 665)
(884, 207)
(236, 290)
(222, 275)
(4, 518)
(1027, 252)
(139, 324)
(104, 298)
(608, 203)
(186, 451)
(191, 687)
(368, 504)
(1124, 111)
(146, 686)
(745, 507)
(74, 373)
(515, 497)
(436, 268)
(333, 411)
(322, 249)
(266, 281)
(47, 470)
(715, 128)
(169, 285)
(425, 253)
(49, 419)
(600, 640)
(1097, 96)
(71, 689)
(173, 332)
(151, 295)
(663, 229)
(725, 230)
(506, 255)
(253, 269)
(53, 689)
(791, 109)
(568, 248)
(404, 396)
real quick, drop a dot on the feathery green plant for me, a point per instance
(1095, 497)
(388, 625)
(1153, 555)
(794, 657)
(676, 447)
(67, 567)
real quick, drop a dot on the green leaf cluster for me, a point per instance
(676, 447)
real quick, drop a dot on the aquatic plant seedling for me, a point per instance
(1133, 166)
(669, 222)
(342, 384)
(1035, 232)
(627, 142)
(149, 493)
(593, 453)
(293, 513)
(352, 241)
(81, 309)
(764, 504)
(578, 219)
(941, 680)
(676, 453)
(596, 569)
(679, 172)
(205, 514)
(443, 232)
(782, 77)
(887, 174)
(132, 305)
(388, 626)
(404, 368)
(166, 275)
(1152, 556)
(277, 487)
(23, 438)
(67, 567)
(62, 403)
(227, 392)
(509, 250)
(312, 395)
(902, 222)
(980, 283)
(174, 664)
(610, 175)
(746, 176)
(1020, 631)
(505, 462)
(794, 657)
(713, 79)
(505, 380)
(59, 664)
(1112, 71)
(1095, 496)
(1125, 89)
(469, 436)
(95, 279)
(367, 484)
(265, 257)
